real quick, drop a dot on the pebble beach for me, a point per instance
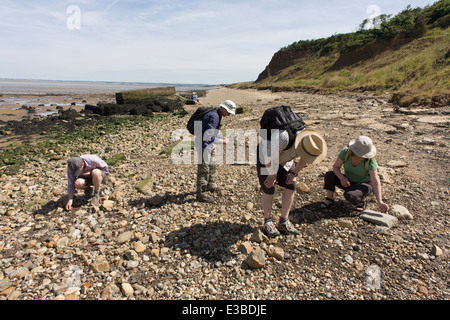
(151, 240)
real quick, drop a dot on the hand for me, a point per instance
(225, 140)
(291, 178)
(69, 205)
(270, 181)
(345, 182)
(384, 206)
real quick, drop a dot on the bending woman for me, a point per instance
(360, 178)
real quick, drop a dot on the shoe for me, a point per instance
(287, 228)
(270, 230)
(327, 203)
(204, 199)
(96, 200)
(361, 207)
(214, 189)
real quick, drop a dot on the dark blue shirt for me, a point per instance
(210, 129)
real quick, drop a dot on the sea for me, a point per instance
(48, 87)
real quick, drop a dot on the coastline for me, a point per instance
(44, 96)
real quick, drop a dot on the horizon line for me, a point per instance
(119, 82)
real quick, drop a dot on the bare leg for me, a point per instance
(267, 200)
(287, 199)
(97, 179)
(80, 183)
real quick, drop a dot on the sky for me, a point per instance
(167, 41)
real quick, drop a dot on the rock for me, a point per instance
(131, 255)
(127, 289)
(183, 249)
(155, 252)
(33, 244)
(436, 251)
(401, 212)
(153, 237)
(110, 291)
(386, 174)
(348, 259)
(245, 247)
(256, 259)
(5, 284)
(302, 188)
(57, 191)
(257, 236)
(124, 237)
(276, 252)
(145, 186)
(108, 205)
(379, 218)
(396, 164)
(100, 266)
(62, 242)
(345, 223)
(428, 141)
(139, 247)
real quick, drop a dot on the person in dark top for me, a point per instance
(204, 143)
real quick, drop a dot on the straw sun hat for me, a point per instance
(310, 146)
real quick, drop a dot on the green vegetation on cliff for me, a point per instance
(407, 54)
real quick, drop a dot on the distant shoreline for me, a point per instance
(45, 95)
(48, 87)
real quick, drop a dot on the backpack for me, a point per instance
(282, 118)
(366, 161)
(197, 116)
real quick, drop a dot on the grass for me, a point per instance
(419, 67)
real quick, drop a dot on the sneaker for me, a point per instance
(96, 200)
(214, 189)
(204, 199)
(287, 228)
(270, 229)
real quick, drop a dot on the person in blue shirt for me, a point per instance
(204, 143)
(195, 98)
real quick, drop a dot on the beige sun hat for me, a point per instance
(310, 146)
(363, 147)
(230, 106)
